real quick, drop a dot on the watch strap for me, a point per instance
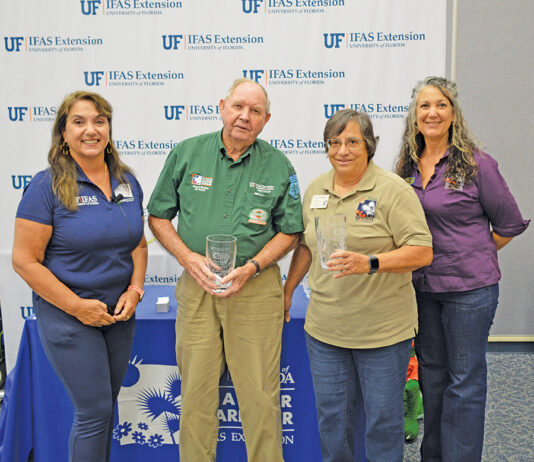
(374, 264)
(138, 290)
(257, 265)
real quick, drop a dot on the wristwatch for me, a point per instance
(138, 290)
(373, 264)
(257, 265)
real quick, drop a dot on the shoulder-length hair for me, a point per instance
(461, 164)
(63, 166)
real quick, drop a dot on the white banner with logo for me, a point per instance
(164, 66)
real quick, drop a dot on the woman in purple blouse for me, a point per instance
(471, 215)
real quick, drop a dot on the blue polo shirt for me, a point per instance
(90, 248)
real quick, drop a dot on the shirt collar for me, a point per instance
(82, 177)
(222, 150)
(366, 183)
(417, 173)
(444, 155)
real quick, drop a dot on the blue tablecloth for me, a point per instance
(37, 413)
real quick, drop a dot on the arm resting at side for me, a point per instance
(500, 241)
(299, 266)
(128, 300)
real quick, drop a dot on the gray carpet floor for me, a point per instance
(509, 431)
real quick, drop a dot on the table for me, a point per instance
(37, 413)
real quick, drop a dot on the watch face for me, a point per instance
(373, 264)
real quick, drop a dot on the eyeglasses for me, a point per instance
(352, 144)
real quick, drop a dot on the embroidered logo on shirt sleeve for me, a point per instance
(294, 190)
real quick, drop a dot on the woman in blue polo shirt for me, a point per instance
(79, 245)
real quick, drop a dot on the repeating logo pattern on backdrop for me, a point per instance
(371, 39)
(374, 110)
(130, 78)
(50, 43)
(298, 146)
(294, 76)
(143, 147)
(128, 7)
(31, 113)
(211, 42)
(137, 53)
(196, 112)
(289, 6)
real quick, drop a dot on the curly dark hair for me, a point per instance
(461, 163)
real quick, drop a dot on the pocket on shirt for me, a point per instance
(258, 209)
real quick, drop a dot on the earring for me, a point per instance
(65, 150)
(109, 148)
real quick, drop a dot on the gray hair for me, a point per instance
(461, 161)
(238, 82)
(337, 123)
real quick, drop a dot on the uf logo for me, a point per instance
(91, 6)
(26, 311)
(253, 74)
(20, 181)
(170, 42)
(16, 113)
(331, 109)
(93, 78)
(173, 112)
(13, 43)
(251, 6)
(333, 40)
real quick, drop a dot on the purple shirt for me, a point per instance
(460, 218)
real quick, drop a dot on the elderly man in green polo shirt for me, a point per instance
(229, 182)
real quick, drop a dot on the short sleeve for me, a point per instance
(165, 200)
(287, 214)
(407, 221)
(497, 201)
(38, 201)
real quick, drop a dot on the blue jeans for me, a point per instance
(343, 380)
(451, 348)
(91, 362)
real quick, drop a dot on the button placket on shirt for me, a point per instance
(229, 197)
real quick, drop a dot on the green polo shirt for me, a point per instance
(253, 198)
(365, 311)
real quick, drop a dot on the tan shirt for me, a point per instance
(365, 311)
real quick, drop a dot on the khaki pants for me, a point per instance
(245, 331)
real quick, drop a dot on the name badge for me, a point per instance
(125, 190)
(319, 201)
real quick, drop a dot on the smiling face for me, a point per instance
(349, 163)
(244, 114)
(86, 131)
(434, 114)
